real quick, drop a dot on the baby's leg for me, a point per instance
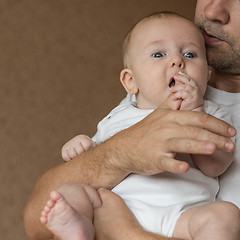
(69, 212)
(115, 221)
(218, 220)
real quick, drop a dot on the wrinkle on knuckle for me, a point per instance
(220, 141)
(212, 138)
(162, 131)
(223, 126)
(199, 133)
(170, 165)
(203, 117)
(192, 132)
(174, 143)
(164, 164)
(189, 145)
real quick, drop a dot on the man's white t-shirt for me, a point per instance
(230, 180)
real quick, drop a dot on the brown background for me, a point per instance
(59, 75)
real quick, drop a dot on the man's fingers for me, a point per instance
(203, 121)
(193, 130)
(172, 165)
(200, 145)
(191, 146)
(199, 120)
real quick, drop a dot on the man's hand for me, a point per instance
(149, 146)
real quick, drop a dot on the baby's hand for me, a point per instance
(76, 146)
(187, 90)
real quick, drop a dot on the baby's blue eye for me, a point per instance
(159, 55)
(189, 55)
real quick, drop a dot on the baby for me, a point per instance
(164, 61)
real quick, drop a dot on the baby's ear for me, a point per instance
(128, 81)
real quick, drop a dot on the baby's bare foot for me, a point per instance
(64, 221)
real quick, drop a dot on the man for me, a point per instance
(165, 131)
(219, 21)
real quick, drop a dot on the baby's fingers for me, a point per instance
(182, 87)
(65, 155)
(88, 143)
(72, 153)
(69, 153)
(182, 77)
(182, 95)
(80, 148)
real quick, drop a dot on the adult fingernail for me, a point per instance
(232, 131)
(229, 146)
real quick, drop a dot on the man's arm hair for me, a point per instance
(91, 167)
(147, 147)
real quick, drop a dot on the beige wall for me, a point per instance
(59, 75)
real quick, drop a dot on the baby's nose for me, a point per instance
(177, 62)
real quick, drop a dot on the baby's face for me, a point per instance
(160, 48)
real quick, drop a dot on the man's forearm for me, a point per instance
(92, 167)
(145, 148)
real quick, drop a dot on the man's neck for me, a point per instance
(227, 82)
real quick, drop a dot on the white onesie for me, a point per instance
(157, 201)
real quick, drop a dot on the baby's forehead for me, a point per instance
(147, 31)
(168, 20)
(161, 26)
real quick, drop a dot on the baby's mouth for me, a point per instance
(172, 83)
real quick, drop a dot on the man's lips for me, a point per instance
(210, 39)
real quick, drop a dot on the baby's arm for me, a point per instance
(76, 146)
(213, 165)
(192, 99)
(217, 163)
